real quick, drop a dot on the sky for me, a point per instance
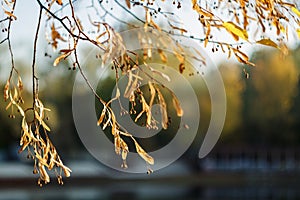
(23, 30)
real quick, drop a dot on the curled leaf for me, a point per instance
(59, 58)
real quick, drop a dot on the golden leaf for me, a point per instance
(163, 75)
(162, 55)
(177, 105)
(200, 10)
(267, 42)
(55, 36)
(242, 57)
(296, 11)
(182, 30)
(101, 116)
(41, 121)
(298, 32)
(59, 2)
(163, 109)
(154, 25)
(236, 30)
(207, 35)
(44, 175)
(143, 154)
(152, 92)
(67, 171)
(20, 83)
(6, 91)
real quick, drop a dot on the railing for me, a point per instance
(262, 159)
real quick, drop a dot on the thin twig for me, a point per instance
(9, 44)
(34, 77)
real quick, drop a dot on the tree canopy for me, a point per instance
(221, 26)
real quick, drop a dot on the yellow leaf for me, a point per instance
(267, 42)
(298, 32)
(296, 11)
(236, 30)
(143, 154)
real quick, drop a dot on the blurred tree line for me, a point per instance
(261, 110)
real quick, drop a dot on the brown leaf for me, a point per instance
(128, 3)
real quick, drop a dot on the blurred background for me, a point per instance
(256, 157)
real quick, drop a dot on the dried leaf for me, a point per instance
(38, 117)
(152, 23)
(67, 171)
(267, 42)
(162, 55)
(44, 175)
(143, 154)
(207, 35)
(6, 91)
(242, 57)
(163, 109)
(298, 32)
(152, 92)
(60, 58)
(10, 14)
(128, 3)
(163, 75)
(55, 35)
(59, 2)
(200, 10)
(181, 67)
(177, 105)
(20, 83)
(102, 116)
(236, 30)
(182, 30)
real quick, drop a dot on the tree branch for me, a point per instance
(34, 77)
